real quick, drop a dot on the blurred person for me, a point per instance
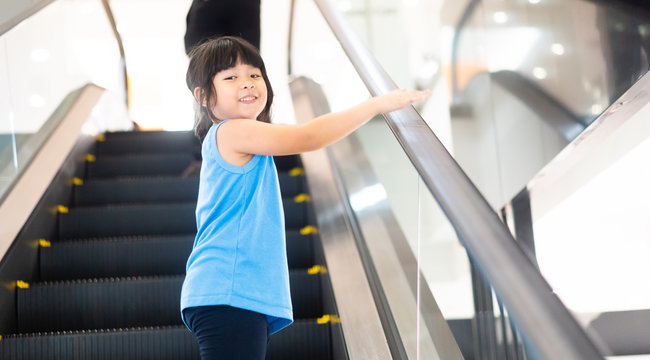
(211, 18)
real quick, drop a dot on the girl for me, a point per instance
(236, 289)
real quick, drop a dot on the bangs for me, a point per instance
(230, 53)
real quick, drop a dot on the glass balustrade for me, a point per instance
(44, 59)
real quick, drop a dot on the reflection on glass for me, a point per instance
(520, 79)
(387, 207)
(62, 47)
(514, 83)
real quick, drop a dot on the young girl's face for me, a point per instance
(240, 92)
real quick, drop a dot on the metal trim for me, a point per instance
(22, 15)
(27, 190)
(360, 321)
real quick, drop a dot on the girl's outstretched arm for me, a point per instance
(247, 137)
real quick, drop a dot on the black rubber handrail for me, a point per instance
(545, 323)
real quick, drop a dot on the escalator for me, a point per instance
(99, 276)
(109, 282)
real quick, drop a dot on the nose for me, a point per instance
(247, 84)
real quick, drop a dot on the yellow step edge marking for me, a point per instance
(90, 157)
(100, 137)
(0, 337)
(309, 230)
(328, 318)
(62, 209)
(21, 284)
(77, 181)
(297, 171)
(300, 198)
(44, 243)
(317, 269)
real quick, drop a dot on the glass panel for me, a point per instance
(8, 160)
(56, 51)
(420, 228)
(514, 81)
(591, 232)
(384, 192)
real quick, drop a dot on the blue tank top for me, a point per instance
(239, 256)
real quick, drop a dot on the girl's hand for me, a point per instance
(399, 98)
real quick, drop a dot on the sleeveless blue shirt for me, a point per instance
(239, 256)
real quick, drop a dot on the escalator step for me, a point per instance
(159, 189)
(300, 250)
(146, 219)
(115, 257)
(129, 302)
(154, 142)
(159, 343)
(291, 185)
(163, 136)
(139, 165)
(286, 163)
(304, 339)
(127, 220)
(140, 256)
(99, 304)
(306, 294)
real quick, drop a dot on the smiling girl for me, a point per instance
(236, 289)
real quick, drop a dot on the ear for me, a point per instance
(198, 92)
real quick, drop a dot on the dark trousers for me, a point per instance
(225, 332)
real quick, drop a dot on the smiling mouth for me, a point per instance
(248, 99)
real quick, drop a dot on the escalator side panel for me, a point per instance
(21, 260)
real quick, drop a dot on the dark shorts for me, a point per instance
(225, 332)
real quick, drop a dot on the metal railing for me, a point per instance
(547, 327)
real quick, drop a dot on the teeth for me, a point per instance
(247, 98)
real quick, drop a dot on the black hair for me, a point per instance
(211, 57)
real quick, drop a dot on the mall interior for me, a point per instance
(501, 218)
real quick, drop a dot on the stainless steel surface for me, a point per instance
(547, 325)
(120, 44)
(12, 12)
(362, 328)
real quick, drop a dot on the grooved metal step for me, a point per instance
(130, 302)
(139, 165)
(127, 220)
(122, 190)
(149, 219)
(141, 256)
(148, 142)
(304, 339)
(148, 190)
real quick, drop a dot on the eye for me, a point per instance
(230, 77)
(255, 76)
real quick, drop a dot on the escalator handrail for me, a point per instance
(545, 323)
